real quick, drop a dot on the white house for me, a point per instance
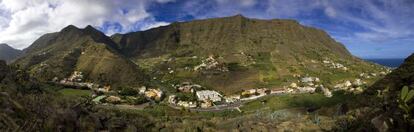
(208, 95)
(306, 89)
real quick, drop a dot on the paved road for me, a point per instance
(216, 108)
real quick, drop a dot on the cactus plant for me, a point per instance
(316, 120)
(406, 96)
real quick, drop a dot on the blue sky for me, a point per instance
(368, 28)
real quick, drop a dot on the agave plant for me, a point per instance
(406, 96)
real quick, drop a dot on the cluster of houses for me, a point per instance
(309, 85)
(76, 80)
(153, 94)
(208, 98)
(205, 98)
(187, 87)
(150, 94)
(334, 65)
(210, 64)
(355, 86)
(371, 75)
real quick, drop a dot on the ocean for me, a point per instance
(394, 63)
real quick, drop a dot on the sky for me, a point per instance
(368, 28)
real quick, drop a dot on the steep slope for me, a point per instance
(383, 102)
(228, 36)
(402, 76)
(8, 53)
(257, 53)
(86, 50)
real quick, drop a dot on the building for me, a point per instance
(206, 104)
(105, 89)
(142, 90)
(326, 92)
(306, 89)
(208, 95)
(263, 91)
(153, 94)
(172, 99)
(293, 85)
(76, 77)
(232, 98)
(187, 104)
(306, 80)
(278, 91)
(249, 92)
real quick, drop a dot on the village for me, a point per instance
(194, 96)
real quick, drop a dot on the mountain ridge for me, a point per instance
(8, 53)
(246, 53)
(269, 50)
(74, 49)
(237, 22)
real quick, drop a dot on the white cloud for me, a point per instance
(330, 11)
(23, 21)
(150, 25)
(381, 20)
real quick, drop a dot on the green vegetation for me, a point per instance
(405, 98)
(136, 100)
(76, 92)
(300, 100)
(257, 53)
(127, 91)
(186, 96)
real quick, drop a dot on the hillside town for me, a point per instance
(194, 96)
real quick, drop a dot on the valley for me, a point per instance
(231, 73)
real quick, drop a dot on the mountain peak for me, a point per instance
(90, 28)
(70, 27)
(239, 15)
(8, 53)
(3, 45)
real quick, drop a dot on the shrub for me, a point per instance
(127, 91)
(136, 100)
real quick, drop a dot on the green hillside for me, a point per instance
(256, 53)
(85, 50)
(8, 53)
(228, 54)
